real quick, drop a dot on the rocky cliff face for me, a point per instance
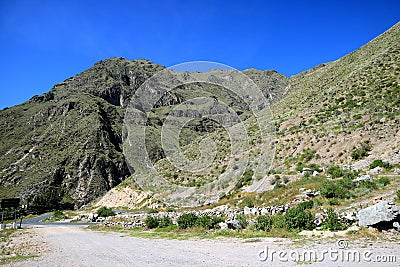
(65, 147)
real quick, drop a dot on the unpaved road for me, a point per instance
(76, 246)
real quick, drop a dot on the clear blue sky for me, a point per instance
(46, 42)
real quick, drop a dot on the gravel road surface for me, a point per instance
(72, 245)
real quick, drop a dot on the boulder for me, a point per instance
(396, 225)
(246, 211)
(233, 224)
(265, 211)
(223, 225)
(381, 215)
(375, 171)
(363, 178)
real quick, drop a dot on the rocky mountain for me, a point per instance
(337, 119)
(64, 148)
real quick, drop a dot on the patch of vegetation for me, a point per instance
(187, 220)
(56, 216)
(361, 152)
(242, 221)
(332, 221)
(298, 218)
(165, 222)
(151, 222)
(245, 179)
(379, 163)
(208, 222)
(264, 223)
(105, 212)
(332, 189)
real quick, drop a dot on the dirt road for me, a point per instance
(76, 246)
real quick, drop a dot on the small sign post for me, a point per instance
(8, 203)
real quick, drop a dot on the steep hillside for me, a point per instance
(64, 148)
(337, 107)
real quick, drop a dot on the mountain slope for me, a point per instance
(64, 148)
(344, 113)
(336, 107)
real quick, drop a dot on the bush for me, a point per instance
(242, 221)
(298, 219)
(58, 215)
(208, 222)
(332, 221)
(357, 154)
(187, 220)
(305, 205)
(248, 201)
(334, 190)
(379, 163)
(164, 222)
(347, 183)
(384, 181)
(151, 222)
(245, 179)
(105, 212)
(278, 185)
(335, 172)
(333, 201)
(278, 221)
(368, 184)
(264, 223)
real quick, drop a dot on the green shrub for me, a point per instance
(208, 222)
(204, 221)
(384, 181)
(305, 205)
(335, 172)
(151, 222)
(368, 184)
(245, 179)
(379, 163)
(278, 221)
(347, 183)
(299, 167)
(105, 212)
(164, 222)
(333, 201)
(264, 223)
(248, 201)
(307, 154)
(278, 185)
(398, 195)
(350, 174)
(357, 154)
(58, 215)
(187, 220)
(242, 221)
(334, 190)
(332, 221)
(298, 219)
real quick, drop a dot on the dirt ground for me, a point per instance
(75, 246)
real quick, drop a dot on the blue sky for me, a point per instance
(46, 42)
